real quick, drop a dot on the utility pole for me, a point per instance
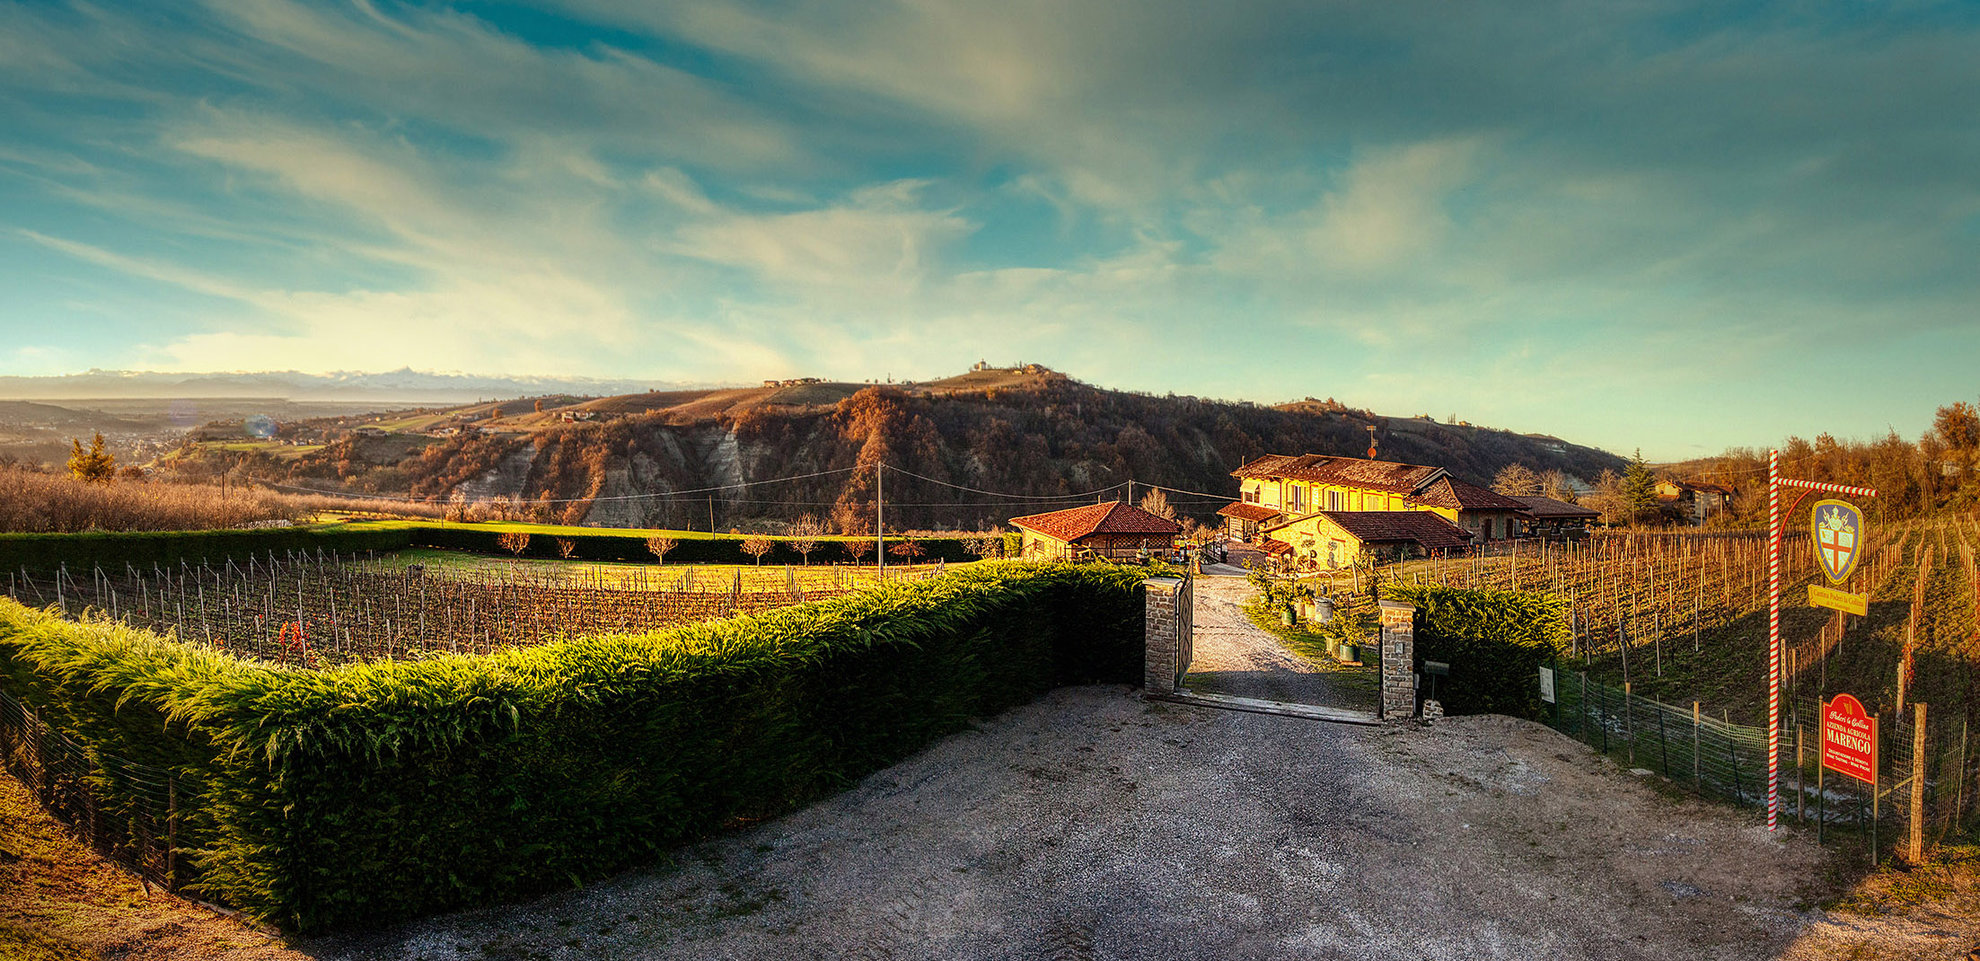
(1130, 490)
(711, 514)
(879, 523)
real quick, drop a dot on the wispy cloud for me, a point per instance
(1285, 198)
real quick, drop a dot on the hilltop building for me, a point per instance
(1115, 530)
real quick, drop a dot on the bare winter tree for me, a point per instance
(1157, 503)
(515, 542)
(858, 547)
(660, 544)
(1555, 484)
(756, 545)
(805, 532)
(1517, 480)
(987, 544)
(566, 546)
(908, 549)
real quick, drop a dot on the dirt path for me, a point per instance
(1232, 656)
(1093, 824)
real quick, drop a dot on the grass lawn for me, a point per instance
(705, 577)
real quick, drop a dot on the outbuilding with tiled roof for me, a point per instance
(1242, 521)
(1114, 529)
(1327, 540)
(1548, 517)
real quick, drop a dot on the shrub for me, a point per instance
(393, 789)
(1494, 641)
(31, 501)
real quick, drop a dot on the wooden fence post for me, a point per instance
(1917, 846)
(171, 833)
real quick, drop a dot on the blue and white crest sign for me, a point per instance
(1838, 529)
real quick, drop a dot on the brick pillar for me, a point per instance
(1159, 664)
(1398, 660)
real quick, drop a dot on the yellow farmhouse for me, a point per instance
(1329, 540)
(1288, 486)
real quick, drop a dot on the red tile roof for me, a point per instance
(1276, 548)
(1248, 512)
(1454, 494)
(1547, 508)
(1379, 475)
(1431, 531)
(1113, 517)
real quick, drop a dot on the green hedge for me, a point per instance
(396, 789)
(1494, 641)
(614, 545)
(111, 550)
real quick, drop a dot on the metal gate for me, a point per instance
(1185, 624)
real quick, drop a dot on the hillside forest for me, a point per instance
(966, 459)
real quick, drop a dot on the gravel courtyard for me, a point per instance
(1092, 823)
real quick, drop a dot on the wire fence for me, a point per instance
(125, 811)
(1716, 758)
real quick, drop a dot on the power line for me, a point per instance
(576, 500)
(978, 490)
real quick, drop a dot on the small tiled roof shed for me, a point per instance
(1111, 529)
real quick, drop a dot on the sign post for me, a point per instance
(1849, 739)
(1832, 550)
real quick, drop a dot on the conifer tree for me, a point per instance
(97, 465)
(1639, 488)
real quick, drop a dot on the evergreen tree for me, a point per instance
(96, 466)
(1639, 489)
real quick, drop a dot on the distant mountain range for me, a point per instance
(405, 386)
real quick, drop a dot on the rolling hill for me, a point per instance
(972, 450)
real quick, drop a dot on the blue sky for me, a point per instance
(1668, 225)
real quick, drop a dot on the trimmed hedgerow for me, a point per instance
(630, 545)
(1494, 641)
(42, 553)
(111, 550)
(395, 789)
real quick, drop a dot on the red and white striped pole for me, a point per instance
(1773, 638)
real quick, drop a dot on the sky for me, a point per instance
(1646, 224)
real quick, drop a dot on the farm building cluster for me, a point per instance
(1320, 512)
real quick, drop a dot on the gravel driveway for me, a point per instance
(1095, 824)
(1234, 657)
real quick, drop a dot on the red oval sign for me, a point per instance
(1849, 739)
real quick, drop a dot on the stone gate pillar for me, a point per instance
(1163, 639)
(1398, 660)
